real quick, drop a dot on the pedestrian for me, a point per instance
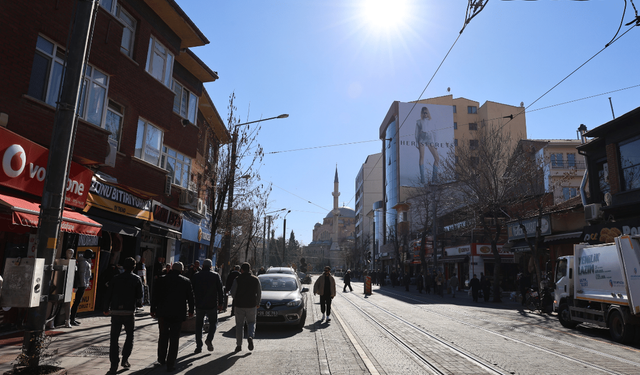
(406, 281)
(486, 287)
(394, 278)
(124, 294)
(261, 271)
(228, 284)
(195, 268)
(373, 277)
(474, 284)
(419, 282)
(247, 293)
(207, 289)
(347, 281)
(427, 283)
(453, 284)
(439, 284)
(171, 295)
(141, 270)
(83, 276)
(325, 286)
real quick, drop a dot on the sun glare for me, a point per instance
(384, 14)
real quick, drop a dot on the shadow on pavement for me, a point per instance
(220, 364)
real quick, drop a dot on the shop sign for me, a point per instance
(167, 216)
(604, 233)
(113, 199)
(514, 230)
(24, 167)
(196, 229)
(457, 250)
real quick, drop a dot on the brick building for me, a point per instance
(147, 134)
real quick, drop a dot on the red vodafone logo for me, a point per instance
(14, 160)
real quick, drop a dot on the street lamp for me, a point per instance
(265, 255)
(284, 229)
(226, 255)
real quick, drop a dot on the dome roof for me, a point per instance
(344, 212)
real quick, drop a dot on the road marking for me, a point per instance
(367, 362)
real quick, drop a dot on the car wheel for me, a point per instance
(300, 325)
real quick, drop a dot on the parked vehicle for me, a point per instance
(600, 284)
(284, 300)
(540, 301)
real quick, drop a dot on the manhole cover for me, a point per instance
(91, 351)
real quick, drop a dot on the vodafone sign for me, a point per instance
(24, 167)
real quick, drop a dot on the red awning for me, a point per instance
(25, 212)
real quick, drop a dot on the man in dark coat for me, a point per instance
(347, 281)
(246, 292)
(474, 284)
(124, 295)
(207, 288)
(171, 294)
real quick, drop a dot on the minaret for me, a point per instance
(336, 213)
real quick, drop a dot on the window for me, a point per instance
(159, 62)
(568, 192)
(473, 126)
(556, 161)
(473, 144)
(603, 177)
(185, 103)
(109, 5)
(630, 164)
(571, 160)
(148, 142)
(46, 80)
(455, 126)
(455, 110)
(94, 95)
(113, 122)
(128, 32)
(178, 165)
(475, 161)
(472, 109)
(455, 142)
(46, 72)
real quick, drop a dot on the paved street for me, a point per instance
(390, 332)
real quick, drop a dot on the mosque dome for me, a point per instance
(344, 212)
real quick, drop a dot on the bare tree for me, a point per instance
(236, 173)
(479, 169)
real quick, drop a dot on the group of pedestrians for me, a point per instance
(175, 297)
(477, 285)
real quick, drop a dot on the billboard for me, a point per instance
(425, 134)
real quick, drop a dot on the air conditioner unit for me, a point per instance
(189, 199)
(110, 160)
(592, 212)
(202, 208)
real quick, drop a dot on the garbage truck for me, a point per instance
(600, 284)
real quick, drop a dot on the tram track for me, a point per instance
(454, 315)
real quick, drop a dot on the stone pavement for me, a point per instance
(319, 348)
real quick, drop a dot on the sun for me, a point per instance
(384, 14)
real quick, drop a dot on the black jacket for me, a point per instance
(230, 278)
(246, 291)
(124, 294)
(207, 288)
(171, 293)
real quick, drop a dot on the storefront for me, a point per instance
(22, 176)
(477, 258)
(196, 238)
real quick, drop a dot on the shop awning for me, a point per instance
(562, 236)
(25, 213)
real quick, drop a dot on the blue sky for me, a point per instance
(335, 68)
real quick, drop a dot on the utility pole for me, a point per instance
(284, 244)
(60, 152)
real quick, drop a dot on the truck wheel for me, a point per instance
(620, 332)
(564, 315)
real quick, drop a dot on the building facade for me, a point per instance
(368, 191)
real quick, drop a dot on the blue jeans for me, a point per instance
(213, 323)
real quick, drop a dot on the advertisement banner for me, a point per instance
(113, 199)
(24, 166)
(88, 302)
(425, 136)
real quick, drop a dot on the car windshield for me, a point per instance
(278, 283)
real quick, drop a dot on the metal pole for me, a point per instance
(225, 255)
(264, 234)
(284, 244)
(53, 195)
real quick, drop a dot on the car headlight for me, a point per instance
(294, 303)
